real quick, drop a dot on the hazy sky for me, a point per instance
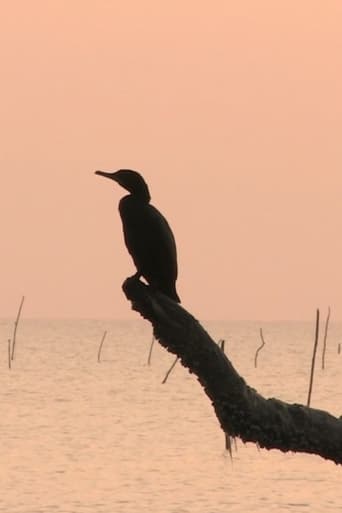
(232, 111)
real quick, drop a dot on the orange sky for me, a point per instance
(233, 113)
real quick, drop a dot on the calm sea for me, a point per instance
(82, 436)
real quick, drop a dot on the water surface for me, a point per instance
(82, 436)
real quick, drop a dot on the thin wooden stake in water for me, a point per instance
(169, 371)
(325, 338)
(313, 357)
(259, 348)
(100, 347)
(16, 326)
(9, 353)
(221, 343)
(150, 352)
(339, 349)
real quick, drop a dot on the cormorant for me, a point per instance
(147, 234)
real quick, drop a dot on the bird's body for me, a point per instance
(150, 242)
(148, 236)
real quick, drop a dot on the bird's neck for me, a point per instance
(133, 201)
(142, 196)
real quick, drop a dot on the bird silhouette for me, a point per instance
(147, 234)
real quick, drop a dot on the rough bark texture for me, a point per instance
(241, 411)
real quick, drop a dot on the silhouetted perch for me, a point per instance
(313, 357)
(259, 349)
(241, 411)
(16, 326)
(100, 346)
(325, 338)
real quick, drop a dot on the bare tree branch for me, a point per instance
(241, 411)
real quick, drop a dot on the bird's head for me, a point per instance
(130, 180)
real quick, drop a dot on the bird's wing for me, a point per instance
(151, 243)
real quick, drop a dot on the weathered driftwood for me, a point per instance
(241, 411)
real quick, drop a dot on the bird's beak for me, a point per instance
(103, 173)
